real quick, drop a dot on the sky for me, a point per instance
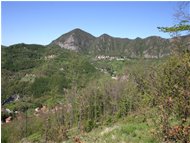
(42, 22)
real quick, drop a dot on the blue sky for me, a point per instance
(42, 22)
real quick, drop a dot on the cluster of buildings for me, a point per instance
(103, 57)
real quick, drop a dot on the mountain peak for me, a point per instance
(76, 31)
(74, 40)
(105, 35)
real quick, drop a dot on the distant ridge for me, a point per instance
(84, 42)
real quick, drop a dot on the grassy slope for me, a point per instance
(136, 127)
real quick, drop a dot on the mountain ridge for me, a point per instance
(81, 41)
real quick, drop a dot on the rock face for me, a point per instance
(150, 47)
(76, 40)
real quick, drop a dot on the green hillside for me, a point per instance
(71, 96)
(37, 71)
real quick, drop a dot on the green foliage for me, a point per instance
(21, 57)
(170, 85)
(89, 125)
(182, 26)
(54, 70)
(40, 86)
(58, 82)
(132, 129)
(15, 131)
(109, 120)
(36, 137)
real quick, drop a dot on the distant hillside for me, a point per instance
(81, 41)
(37, 70)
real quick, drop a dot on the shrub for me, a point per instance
(89, 125)
(171, 87)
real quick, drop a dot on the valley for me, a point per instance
(84, 89)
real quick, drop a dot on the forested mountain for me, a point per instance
(81, 41)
